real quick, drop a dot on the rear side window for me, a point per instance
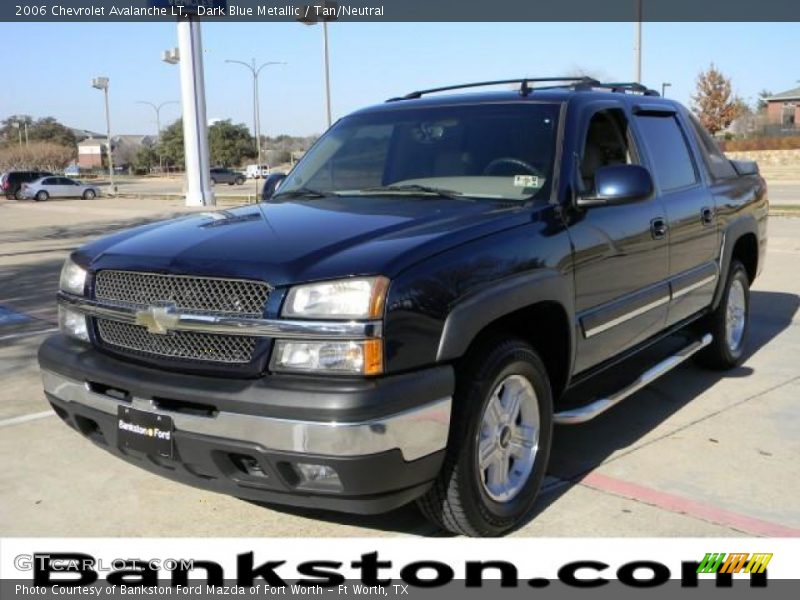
(672, 162)
(716, 162)
(49, 181)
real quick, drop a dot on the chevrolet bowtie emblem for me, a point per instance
(158, 319)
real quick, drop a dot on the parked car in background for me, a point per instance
(58, 187)
(257, 171)
(224, 175)
(11, 182)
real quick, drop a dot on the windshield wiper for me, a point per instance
(413, 188)
(301, 192)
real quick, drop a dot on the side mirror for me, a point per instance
(271, 184)
(618, 184)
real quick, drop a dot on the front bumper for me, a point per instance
(385, 438)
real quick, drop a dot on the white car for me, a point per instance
(58, 187)
(256, 171)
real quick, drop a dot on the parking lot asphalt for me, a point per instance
(697, 453)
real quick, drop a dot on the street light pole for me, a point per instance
(637, 43)
(664, 87)
(327, 73)
(101, 83)
(255, 72)
(157, 108)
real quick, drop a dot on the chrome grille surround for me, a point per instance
(190, 295)
(201, 295)
(180, 345)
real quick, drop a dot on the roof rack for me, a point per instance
(524, 88)
(576, 83)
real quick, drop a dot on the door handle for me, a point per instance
(658, 228)
(707, 215)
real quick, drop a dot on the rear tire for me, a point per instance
(729, 323)
(89, 195)
(18, 195)
(41, 196)
(240, 180)
(502, 410)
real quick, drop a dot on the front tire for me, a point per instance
(729, 323)
(499, 442)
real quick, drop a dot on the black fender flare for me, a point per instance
(733, 231)
(472, 314)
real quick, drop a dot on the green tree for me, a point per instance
(170, 144)
(9, 133)
(761, 103)
(230, 145)
(46, 129)
(50, 130)
(146, 158)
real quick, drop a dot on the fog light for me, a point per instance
(73, 324)
(318, 477)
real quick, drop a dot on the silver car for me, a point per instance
(58, 187)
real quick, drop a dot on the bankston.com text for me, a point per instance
(78, 570)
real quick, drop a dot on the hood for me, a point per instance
(297, 241)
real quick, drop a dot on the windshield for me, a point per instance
(500, 151)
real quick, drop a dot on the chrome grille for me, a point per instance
(185, 345)
(205, 295)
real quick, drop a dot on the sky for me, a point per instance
(49, 73)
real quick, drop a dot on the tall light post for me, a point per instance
(312, 20)
(189, 56)
(157, 108)
(637, 43)
(256, 71)
(101, 83)
(16, 125)
(664, 87)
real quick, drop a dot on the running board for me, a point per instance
(601, 405)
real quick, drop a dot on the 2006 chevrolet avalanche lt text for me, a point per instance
(401, 319)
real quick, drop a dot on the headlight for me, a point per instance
(356, 298)
(73, 278)
(363, 357)
(72, 323)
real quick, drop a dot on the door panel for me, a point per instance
(693, 250)
(621, 289)
(690, 212)
(620, 252)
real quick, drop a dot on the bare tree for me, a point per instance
(36, 155)
(714, 102)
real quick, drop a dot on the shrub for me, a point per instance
(788, 142)
(36, 155)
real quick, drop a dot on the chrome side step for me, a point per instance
(601, 405)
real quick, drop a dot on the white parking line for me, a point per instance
(14, 336)
(26, 418)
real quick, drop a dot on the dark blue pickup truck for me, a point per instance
(402, 316)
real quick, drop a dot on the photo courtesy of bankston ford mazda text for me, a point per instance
(321, 273)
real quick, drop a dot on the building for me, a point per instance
(784, 109)
(92, 150)
(91, 153)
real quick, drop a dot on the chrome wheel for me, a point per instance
(508, 438)
(735, 315)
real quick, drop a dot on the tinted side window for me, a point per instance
(49, 181)
(672, 162)
(718, 165)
